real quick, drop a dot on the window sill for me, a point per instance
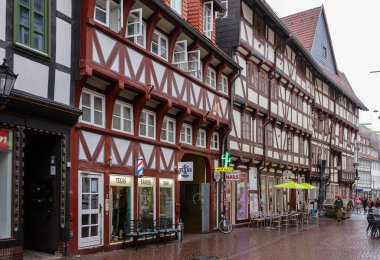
(31, 51)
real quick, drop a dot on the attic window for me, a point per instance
(324, 51)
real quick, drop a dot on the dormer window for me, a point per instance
(176, 5)
(208, 18)
(108, 13)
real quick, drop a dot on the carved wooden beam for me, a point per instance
(151, 24)
(127, 8)
(160, 113)
(197, 123)
(206, 63)
(209, 130)
(111, 94)
(180, 119)
(138, 105)
(173, 36)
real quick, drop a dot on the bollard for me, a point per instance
(180, 228)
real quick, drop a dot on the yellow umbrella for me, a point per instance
(309, 186)
(291, 185)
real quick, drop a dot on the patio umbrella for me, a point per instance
(291, 185)
(309, 186)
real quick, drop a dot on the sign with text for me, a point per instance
(119, 180)
(233, 176)
(224, 169)
(185, 171)
(6, 139)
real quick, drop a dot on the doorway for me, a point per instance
(195, 197)
(41, 178)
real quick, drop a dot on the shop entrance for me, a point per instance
(195, 197)
(41, 177)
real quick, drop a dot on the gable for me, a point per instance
(322, 45)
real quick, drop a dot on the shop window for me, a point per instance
(201, 138)
(92, 105)
(215, 141)
(194, 66)
(120, 204)
(168, 130)
(208, 18)
(176, 5)
(186, 134)
(210, 77)
(180, 55)
(139, 39)
(109, 13)
(223, 84)
(122, 118)
(32, 24)
(167, 199)
(147, 125)
(6, 147)
(146, 199)
(160, 45)
(241, 198)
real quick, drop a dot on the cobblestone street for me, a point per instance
(331, 240)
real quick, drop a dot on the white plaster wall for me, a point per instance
(33, 76)
(2, 19)
(247, 13)
(63, 43)
(62, 87)
(64, 6)
(2, 54)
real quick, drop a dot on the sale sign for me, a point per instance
(6, 139)
(233, 176)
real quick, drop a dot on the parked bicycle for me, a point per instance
(225, 226)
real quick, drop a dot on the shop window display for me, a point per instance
(167, 199)
(241, 192)
(145, 199)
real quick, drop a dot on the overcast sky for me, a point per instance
(355, 32)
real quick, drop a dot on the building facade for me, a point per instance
(39, 41)
(153, 88)
(292, 108)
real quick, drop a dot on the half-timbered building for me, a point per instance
(39, 40)
(153, 88)
(287, 107)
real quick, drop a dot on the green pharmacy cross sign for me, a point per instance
(226, 159)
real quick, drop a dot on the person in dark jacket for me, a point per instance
(338, 204)
(365, 204)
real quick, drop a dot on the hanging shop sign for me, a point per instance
(224, 169)
(6, 139)
(233, 176)
(287, 174)
(217, 176)
(185, 171)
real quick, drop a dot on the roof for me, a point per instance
(303, 25)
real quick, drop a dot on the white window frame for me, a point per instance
(212, 143)
(184, 129)
(195, 73)
(147, 112)
(223, 87)
(168, 119)
(201, 137)
(208, 6)
(225, 4)
(176, 5)
(138, 14)
(160, 36)
(108, 14)
(210, 81)
(178, 52)
(122, 118)
(143, 35)
(92, 108)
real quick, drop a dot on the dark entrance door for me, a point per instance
(293, 199)
(41, 177)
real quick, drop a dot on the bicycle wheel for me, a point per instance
(225, 226)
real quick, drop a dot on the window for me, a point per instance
(294, 100)
(300, 104)
(186, 134)
(324, 51)
(146, 199)
(109, 13)
(341, 134)
(273, 90)
(134, 23)
(225, 5)
(92, 105)
(139, 39)
(168, 130)
(245, 126)
(32, 24)
(327, 128)
(122, 117)
(147, 126)
(176, 5)
(208, 18)
(270, 135)
(301, 152)
(210, 77)
(260, 137)
(214, 141)
(194, 64)
(223, 84)
(201, 138)
(160, 45)
(263, 86)
(289, 143)
(167, 199)
(180, 55)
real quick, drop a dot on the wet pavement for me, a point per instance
(330, 240)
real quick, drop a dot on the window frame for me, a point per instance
(198, 62)
(46, 33)
(122, 118)
(148, 113)
(160, 36)
(208, 79)
(208, 33)
(213, 142)
(93, 94)
(143, 34)
(223, 88)
(184, 127)
(176, 4)
(245, 126)
(168, 119)
(259, 131)
(224, 3)
(139, 23)
(108, 15)
(184, 52)
(200, 139)
(269, 135)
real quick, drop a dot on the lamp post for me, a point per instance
(321, 195)
(7, 81)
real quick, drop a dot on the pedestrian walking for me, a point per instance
(365, 203)
(377, 203)
(358, 204)
(338, 204)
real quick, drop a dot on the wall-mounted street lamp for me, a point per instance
(7, 81)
